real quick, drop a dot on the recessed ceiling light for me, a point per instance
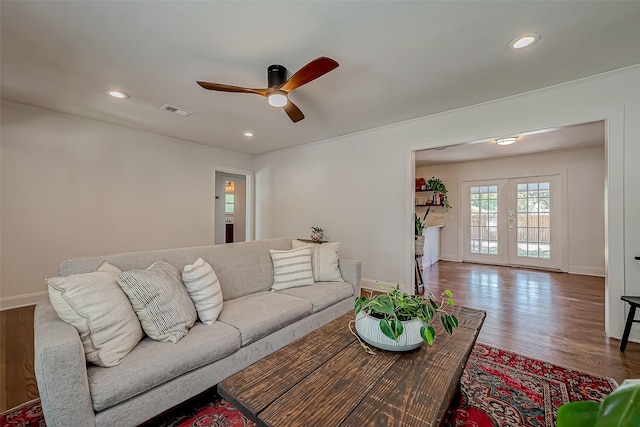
(117, 93)
(248, 134)
(506, 141)
(524, 40)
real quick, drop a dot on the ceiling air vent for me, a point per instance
(176, 110)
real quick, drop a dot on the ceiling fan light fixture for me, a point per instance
(277, 99)
(506, 141)
(524, 41)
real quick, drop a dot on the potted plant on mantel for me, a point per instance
(398, 321)
(439, 191)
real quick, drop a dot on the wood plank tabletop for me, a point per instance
(326, 378)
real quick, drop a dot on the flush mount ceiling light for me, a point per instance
(524, 40)
(506, 141)
(117, 94)
(248, 134)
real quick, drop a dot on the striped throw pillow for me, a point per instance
(291, 268)
(204, 289)
(160, 300)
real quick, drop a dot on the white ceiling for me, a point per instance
(562, 138)
(398, 60)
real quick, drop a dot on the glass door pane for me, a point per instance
(535, 202)
(484, 235)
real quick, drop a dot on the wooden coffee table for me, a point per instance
(326, 379)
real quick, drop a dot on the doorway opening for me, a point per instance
(233, 214)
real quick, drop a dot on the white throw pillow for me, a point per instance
(204, 289)
(96, 306)
(160, 300)
(109, 268)
(324, 260)
(291, 268)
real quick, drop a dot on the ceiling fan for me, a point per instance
(279, 86)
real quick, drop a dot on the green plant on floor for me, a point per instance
(396, 306)
(620, 409)
(420, 223)
(437, 186)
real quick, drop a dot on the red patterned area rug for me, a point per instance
(498, 389)
(503, 389)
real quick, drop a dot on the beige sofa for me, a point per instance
(156, 376)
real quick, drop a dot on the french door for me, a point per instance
(515, 221)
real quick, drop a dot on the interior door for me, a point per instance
(535, 218)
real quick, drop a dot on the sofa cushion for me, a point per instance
(291, 268)
(204, 290)
(242, 268)
(259, 314)
(322, 294)
(153, 363)
(96, 306)
(324, 260)
(160, 300)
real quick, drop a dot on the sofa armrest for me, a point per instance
(351, 272)
(61, 371)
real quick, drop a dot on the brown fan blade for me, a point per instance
(314, 69)
(293, 112)
(228, 88)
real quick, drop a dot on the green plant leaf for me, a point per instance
(396, 328)
(359, 304)
(426, 313)
(620, 409)
(386, 329)
(578, 414)
(446, 324)
(453, 321)
(448, 293)
(428, 334)
(384, 305)
(450, 302)
(434, 304)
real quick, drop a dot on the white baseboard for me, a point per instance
(23, 300)
(450, 257)
(587, 271)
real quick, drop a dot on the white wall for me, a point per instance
(360, 187)
(76, 187)
(584, 198)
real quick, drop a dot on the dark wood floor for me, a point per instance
(556, 317)
(17, 378)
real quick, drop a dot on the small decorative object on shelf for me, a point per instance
(317, 233)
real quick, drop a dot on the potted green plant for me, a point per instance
(419, 237)
(437, 186)
(317, 233)
(398, 321)
(621, 408)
